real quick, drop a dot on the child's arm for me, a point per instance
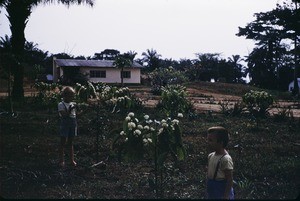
(229, 178)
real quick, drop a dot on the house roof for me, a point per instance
(90, 63)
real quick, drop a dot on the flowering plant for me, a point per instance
(118, 99)
(153, 138)
(174, 100)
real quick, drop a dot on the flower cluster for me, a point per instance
(118, 98)
(150, 136)
(146, 128)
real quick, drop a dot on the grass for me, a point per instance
(265, 155)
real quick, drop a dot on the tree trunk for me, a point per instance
(18, 13)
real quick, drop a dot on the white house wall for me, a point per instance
(113, 75)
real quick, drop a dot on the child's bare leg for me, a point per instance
(70, 143)
(61, 151)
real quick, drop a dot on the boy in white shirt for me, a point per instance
(220, 165)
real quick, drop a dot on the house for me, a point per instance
(291, 85)
(99, 70)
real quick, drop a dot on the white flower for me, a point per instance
(145, 141)
(114, 100)
(146, 117)
(175, 121)
(165, 125)
(157, 122)
(131, 114)
(180, 115)
(131, 125)
(136, 120)
(163, 121)
(122, 133)
(160, 131)
(152, 129)
(149, 140)
(137, 132)
(126, 139)
(149, 121)
(146, 127)
(140, 127)
(127, 118)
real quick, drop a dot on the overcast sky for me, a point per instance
(174, 28)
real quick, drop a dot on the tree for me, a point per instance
(238, 69)
(18, 15)
(207, 66)
(107, 54)
(274, 32)
(122, 61)
(151, 57)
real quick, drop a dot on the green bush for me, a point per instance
(48, 95)
(165, 76)
(258, 102)
(174, 100)
(118, 99)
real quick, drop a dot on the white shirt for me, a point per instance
(63, 106)
(225, 163)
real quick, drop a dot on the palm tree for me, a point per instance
(18, 15)
(152, 58)
(122, 61)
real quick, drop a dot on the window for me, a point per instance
(98, 73)
(126, 74)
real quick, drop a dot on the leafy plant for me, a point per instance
(258, 102)
(48, 94)
(237, 109)
(84, 92)
(118, 99)
(152, 138)
(174, 100)
(162, 77)
(246, 187)
(283, 114)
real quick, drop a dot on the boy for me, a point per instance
(68, 123)
(220, 165)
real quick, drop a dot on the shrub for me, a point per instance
(237, 109)
(258, 102)
(118, 99)
(84, 92)
(174, 100)
(165, 76)
(48, 94)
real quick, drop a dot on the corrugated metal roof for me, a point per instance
(90, 63)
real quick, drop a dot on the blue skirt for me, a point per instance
(216, 189)
(68, 127)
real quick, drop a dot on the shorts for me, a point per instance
(216, 189)
(68, 127)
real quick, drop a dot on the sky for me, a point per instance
(176, 29)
